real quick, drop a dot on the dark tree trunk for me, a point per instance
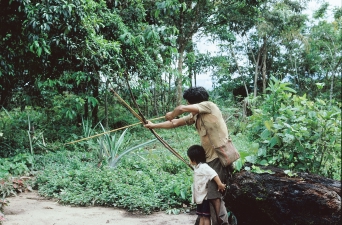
(106, 105)
(264, 58)
(95, 109)
(273, 199)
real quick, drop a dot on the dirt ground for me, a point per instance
(31, 209)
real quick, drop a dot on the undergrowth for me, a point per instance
(142, 182)
(146, 180)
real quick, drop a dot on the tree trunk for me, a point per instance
(179, 80)
(256, 72)
(295, 69)
(238, 67)
(331, 88)
(95, 109)
(276, 199)
(106, 105)
(86, 110)
(264, 58)
(190, 76)
(4, 96)
(155, 105)
(169, 95)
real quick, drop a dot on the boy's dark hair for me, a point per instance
(196, 95)
(196, 153)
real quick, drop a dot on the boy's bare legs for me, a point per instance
(222, 214)
(204, 220)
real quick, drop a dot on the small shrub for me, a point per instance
(298, 134)
(17, 165)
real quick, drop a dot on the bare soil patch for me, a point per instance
(31, 209)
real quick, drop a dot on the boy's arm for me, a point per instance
(220, 185)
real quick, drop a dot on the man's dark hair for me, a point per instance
(196, 154)
(196, 95)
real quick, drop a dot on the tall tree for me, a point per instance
(203, 16)
(279, 20)
(264, 43)
(325, 49)
(62, 46)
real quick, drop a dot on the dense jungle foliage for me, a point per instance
(276, 78)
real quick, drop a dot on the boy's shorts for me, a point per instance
(203, 209)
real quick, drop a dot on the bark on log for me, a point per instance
(277, 199)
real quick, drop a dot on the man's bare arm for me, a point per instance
(166, 125)
(180, 110)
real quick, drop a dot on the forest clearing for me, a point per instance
(101, 100)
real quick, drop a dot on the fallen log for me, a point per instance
(277, 199)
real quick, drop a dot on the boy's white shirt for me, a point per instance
(202, 175)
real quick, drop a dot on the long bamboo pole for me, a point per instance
(107, 132)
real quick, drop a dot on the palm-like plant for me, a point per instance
(110, 147)
(113, 162)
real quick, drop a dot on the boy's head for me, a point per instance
(196, 154)
(196, 95)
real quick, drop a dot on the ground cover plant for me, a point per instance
(139, 182)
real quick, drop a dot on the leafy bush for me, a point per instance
(296, 133)
(30, 130)
(17, 165)
(14, 132)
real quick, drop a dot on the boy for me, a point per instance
(202, 175)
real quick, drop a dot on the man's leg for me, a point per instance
(223, 213)
(220, 212)
(215, 197)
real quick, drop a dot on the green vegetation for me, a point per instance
(20, 164)
(73, 178)
(150, 178)
(296, 133)
(59, 59)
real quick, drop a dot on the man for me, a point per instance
(213, 132)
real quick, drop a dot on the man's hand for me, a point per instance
(149, 125)
(169, 116)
